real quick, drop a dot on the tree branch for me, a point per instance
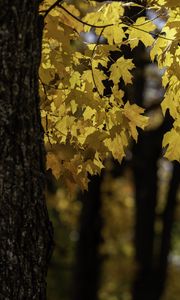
(81, 21)
(93, 53)
(56, 3)
(124, 20)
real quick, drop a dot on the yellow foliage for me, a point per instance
(166, 50)
(108, 13)
(135, 119)
(172, 141)
(121, 69)
(76, 114)
(140, 31)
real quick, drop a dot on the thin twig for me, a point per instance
(156, 35)
(53, 87)
(109, 25)
(47, 130)
(56, 3)
(44, 88)
(93, 53)
(81, 21)
(147, 21)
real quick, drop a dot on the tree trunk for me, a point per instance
(87, 272)
(168, 217)
(25, 230)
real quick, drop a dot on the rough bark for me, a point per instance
(25, 230)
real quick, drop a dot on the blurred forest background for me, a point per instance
(115, 223)
(121, 239)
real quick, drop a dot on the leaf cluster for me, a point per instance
(83, 125)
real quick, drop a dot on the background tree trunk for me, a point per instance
(25, 230)
(88, 259)
(151, 258)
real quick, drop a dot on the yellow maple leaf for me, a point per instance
(161, 45)
(115, 146)
(133, 113)
(97, 161)
(170, 3)
(171, 140)
(75, 79)
(140, 31)
(99, 76)
(114, 34)
(121, 69)
(53, 163)
(109, 13)
(169, 103)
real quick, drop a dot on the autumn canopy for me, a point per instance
(83, 123)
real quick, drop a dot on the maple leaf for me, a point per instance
(169, 3)
(114, 34)
(140, 31)
(133, 114)
(121, 69)
(109, 13)
(161, 45)
(53, 163)
(171, 140)
(97, 161)
(99, 76)
(116, 147)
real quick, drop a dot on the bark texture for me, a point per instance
(25, 230)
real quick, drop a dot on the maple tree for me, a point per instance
(83, 125)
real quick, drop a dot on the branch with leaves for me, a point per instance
(124, 20)
(81, 115)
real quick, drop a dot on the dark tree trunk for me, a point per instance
(153, 265)
(168, 220)
(151, 275)
(87, 272)
(25, 230)
(146, 154)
